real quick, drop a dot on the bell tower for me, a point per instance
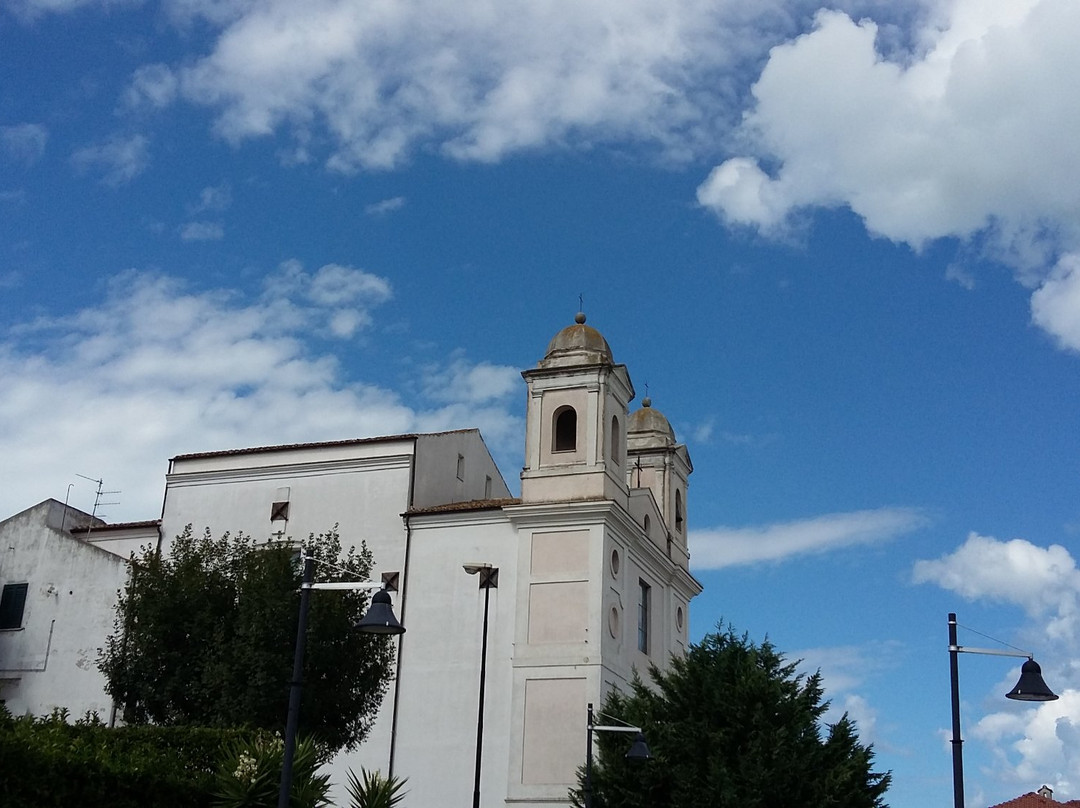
(658, 463)
(575, 442)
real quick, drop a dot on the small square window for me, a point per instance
(12, 604)
(279, 512)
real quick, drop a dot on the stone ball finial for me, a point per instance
(646, 402)
(579, 318)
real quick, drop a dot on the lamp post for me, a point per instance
(379, 619)
(489, 579)
(639, 750)
(1030, 687)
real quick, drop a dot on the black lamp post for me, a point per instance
(489, 579)
(1030, 687)
(379, 619)
(639, 750)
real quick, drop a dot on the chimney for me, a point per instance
(1046, 792)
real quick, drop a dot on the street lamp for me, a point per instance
(639, 750)
(379, 619)
(1030, 687)
(489, 579)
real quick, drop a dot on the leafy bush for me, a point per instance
(249, 775)
(372, 790)
(205, 636)
(47, 762)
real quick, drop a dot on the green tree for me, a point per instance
(732, 725)
(205, 635)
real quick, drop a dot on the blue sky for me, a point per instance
(840, 246)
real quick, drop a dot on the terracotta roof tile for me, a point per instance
(470, 505)
(1033, 800)
(118, 526)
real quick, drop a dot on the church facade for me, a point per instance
(579, 581)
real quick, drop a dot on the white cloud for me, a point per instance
(463, 382)
(479, 80)
(1038, 743)
(202, 231)
(32, 9)
(385, 206)
(153, 85)
(118, 160)
(155, 369)
(968, 133)
(330, 285)
(1044, 581)
(213, 199)
(23, 143)
(1055, 305)
(720, 547)
(844, 671)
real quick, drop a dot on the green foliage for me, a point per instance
(731, 725)
(46, 762)
(372, 790)
(249, 775)
(205, 637)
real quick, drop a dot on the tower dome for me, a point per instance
(578, 344)
(648, 428)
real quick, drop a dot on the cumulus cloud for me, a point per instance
(1039, 742)
(385, 206)
(29, 10)
(1044, 581)
(202, 231)
(844, 671)
(118, 160)
(479, 80)
(213, 199)
(465, 382)
(966, 133)
(1055, 305)
(154, 85)
(23, 143)
(719, 547)
(156, 369)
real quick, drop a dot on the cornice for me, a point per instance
(291, 470)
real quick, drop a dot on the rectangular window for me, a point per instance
(461, 467)
(643, 617)
(279, 512)
(12, 603)
(487, 486)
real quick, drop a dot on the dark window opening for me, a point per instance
(12, 604)
(565, 429)
(279, 512)
(645, 592)
(678, 512)
(616, 440)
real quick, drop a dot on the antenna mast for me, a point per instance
(98, 494)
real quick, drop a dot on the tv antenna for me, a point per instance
(98, 494)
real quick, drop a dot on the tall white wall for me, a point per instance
(51, 660)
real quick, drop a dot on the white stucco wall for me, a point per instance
(437, 481)
(51, 660)
(438, 688)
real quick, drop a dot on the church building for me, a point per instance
(584, 577)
